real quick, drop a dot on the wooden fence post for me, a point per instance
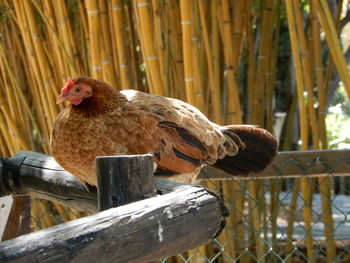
(124, 179)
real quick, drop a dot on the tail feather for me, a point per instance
(260, 150)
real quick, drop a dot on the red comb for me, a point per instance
(68, 85)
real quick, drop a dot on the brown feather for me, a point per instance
(179, 136)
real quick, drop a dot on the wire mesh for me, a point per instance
(267, 222)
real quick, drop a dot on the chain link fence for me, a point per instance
(299, 218)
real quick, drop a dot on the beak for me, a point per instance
(61, 98)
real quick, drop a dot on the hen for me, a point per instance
(103, 121)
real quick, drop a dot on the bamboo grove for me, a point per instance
(221, 56)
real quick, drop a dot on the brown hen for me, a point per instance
(103, 121)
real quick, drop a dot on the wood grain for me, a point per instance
(143, 231)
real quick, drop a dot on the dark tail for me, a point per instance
(260, 150)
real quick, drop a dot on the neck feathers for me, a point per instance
(103, 101)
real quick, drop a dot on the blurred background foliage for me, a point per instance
(277, 64)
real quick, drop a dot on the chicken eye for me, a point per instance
(78, 89)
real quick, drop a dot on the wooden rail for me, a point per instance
(181, 217)
(295, 164)
(42, 177)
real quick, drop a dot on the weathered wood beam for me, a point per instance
(143, 231)
(123, 179)
(38, 175)
(295, 164)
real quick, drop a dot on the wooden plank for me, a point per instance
(19, 221)
(5, 209)
(143, 231)
(41, 177)
(124, 179)
(295, 164)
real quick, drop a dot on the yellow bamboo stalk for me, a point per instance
(66, 35)
(12, 145)
(47, 84)
(330, 64)
(4, 139)
(256, 219)
(308, 81)
(119, 36)
(108, 70)
(250, 60)
(226, 237)
(234, 113)
(238, 29)
(299, 78)
(160, 46)
(262, 63)
(187, 23)
(197, 63)
(133, 44)
(23, 26)
(275, 190)
(272, 73)
(85, 35)
(324, 183)
(23, 111)
(214, 90)
(216, 46)
(147, 44)
(319, 73)
(305, 186)
(333, 42)
(47, 13)
(44, 216)
(67, 65)
(291, 219)
(95, 37)
(14, 130)
(175, 53)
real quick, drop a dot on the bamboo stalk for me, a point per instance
(214, 90)
(256, 220)
(94, 34)
(226, 238)
(328, 26)
(108, 70)
(151, 58)
(291, 220)
(251, 74)
(215, 43)
(305, 186)
(119, 36)
(66, 35)
(319, 73)
(132, 48)
(272, 74)
(186, 25)
(324, 183)
(160, 46)
(263, 62)
(198, 66)
(46, 73)
(308, 82)
(23, 26)
(234, 113)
